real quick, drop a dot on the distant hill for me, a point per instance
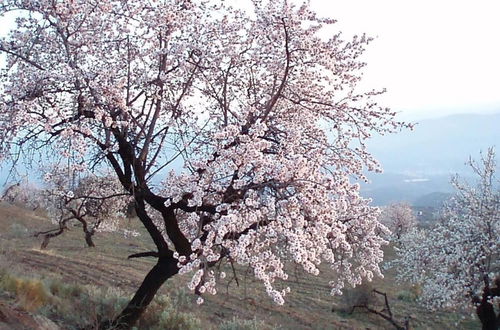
(435, 200)
(418, 164)
(388, 188)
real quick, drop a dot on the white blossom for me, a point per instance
(458, 260)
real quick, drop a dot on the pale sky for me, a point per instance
(435, 57)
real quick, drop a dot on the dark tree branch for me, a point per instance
(386, 316)
(144, 255)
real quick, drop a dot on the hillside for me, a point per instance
(100, 280)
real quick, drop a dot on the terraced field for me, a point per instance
(244, 306)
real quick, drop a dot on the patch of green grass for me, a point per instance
(17, 230)
(406, 296)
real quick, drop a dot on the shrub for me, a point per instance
(31, 294)
(405, 295)
(358, 296)
(17, 230)
(76, 306)
(165, 313)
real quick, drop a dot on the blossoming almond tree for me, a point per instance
(399, 219)
(97, 203)
(22, 193)
(458, 261)
(265, 116)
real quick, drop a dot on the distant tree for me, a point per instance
(97, 203)
(399, 218)
(23, 193)
(264, 114)
(458, 260)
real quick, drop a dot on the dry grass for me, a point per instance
(74, 275)
(31, 294)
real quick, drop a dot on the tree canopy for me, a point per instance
(262, 112)
(457, 262)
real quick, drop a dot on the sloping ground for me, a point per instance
(309, 305)
(18, 319)
(67, 257)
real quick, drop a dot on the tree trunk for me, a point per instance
(486, 314)
(48, 236)
(88, 239)
(163, 270)
(45, 242)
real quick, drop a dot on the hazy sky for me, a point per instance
(435, 57)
